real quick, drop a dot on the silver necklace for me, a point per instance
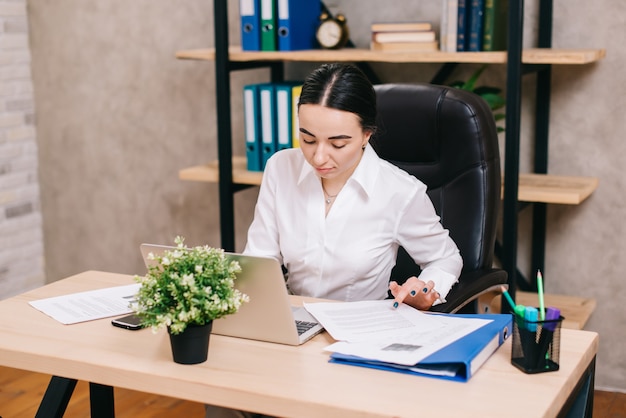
(329, 198)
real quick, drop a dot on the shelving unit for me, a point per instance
(537, 188)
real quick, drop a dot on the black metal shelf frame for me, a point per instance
(507, 252)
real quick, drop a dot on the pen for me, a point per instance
(542, 310)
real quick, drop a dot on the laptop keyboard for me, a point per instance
(304, 326)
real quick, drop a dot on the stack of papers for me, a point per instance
(87, 306)
(374, 334)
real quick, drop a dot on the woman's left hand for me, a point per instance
(414, 292)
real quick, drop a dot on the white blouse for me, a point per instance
(348, 254)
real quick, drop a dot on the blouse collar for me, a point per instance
(364, 175)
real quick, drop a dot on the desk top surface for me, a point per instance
(272, 378)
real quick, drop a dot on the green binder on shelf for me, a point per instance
(269, 23)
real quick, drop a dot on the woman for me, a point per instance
(334, 213)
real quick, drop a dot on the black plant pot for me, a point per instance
(192, 345)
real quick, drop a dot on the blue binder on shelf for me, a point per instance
(284, 114)
(297, 23)
(267, 101)
(457, 361)
(269, 23)
(252, 126)
(249, 11)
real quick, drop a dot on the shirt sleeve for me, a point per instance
(263, 237)
(424, 238)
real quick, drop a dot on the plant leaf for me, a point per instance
(471, 82)
(494, 101)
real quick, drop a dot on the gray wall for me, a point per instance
(117, 116)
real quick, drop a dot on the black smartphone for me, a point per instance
(132, 322)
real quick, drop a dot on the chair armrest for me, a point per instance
(472, 285)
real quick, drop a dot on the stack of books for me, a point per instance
(474, 25)
(409, 36)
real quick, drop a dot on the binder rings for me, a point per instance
(267, 100)
(252, 125)
(297, 24)
(250, 25)
(457, 361)
(269, 22)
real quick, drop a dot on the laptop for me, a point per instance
(268, 316)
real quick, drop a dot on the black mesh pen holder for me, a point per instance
(536, 345)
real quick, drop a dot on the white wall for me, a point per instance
(21, 241)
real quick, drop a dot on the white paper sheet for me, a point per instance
(376, 331)
(87, 306)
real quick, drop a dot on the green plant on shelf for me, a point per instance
(492, 95)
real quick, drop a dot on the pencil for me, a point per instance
(542, 307)
(508, 297)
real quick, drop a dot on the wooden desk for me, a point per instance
(275, 379)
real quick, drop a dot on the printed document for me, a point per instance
(87, 306)
(375, 330)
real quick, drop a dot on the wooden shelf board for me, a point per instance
(548, 188)
(542, 188)
(529, 56)
(576, 310)
(209, 173)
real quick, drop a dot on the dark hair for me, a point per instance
(342, 87)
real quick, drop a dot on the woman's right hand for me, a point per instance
(414, 292)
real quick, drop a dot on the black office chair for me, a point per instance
(447, 138)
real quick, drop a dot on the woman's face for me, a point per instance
(331, 140)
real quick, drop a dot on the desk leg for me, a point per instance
(56, 398)
(581, 400)
(102, 401)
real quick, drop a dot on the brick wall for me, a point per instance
(21, 237)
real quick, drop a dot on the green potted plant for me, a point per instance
(184, 290)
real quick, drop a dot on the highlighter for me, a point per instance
(547, 334)
(530, 316)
